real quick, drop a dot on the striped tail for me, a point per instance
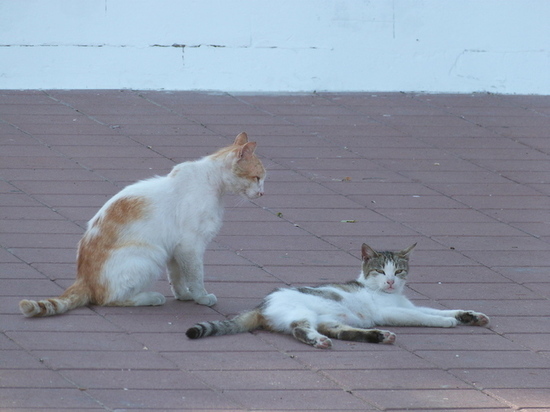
(244, 322)
(74, 297)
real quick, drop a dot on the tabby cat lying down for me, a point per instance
(345, 311)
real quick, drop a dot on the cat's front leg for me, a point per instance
(417, 317)
(177, 283)
(464, 317)
(190, 282)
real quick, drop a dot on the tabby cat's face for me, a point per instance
(385, 271)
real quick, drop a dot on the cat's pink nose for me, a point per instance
(390, 282)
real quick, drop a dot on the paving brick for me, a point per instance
(346, 217)
(485, 359)
(260, 380)
(359, 356)
(178, 399)
(55, 340)
(133, 379)
(534, 229)
(396, 379)
(18, 359)
(313, 400)
(520, 258)
(465, 338)
(481, 227)
(302, 258)
(504, 243)
(30, 287)
(518, 324)
(528, 398)
(22, 213)
(179, 342)
(511, 307)
(438, 399)
(523, 378)
(32, 379)
(19, 270)
(231, 359)
(83, 359)
(475, 291)
(482, 189)
(275, 242)
(64, 187)
(39, 398)
(452, 274)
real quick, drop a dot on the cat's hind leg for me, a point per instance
(345, 332)
(129, 274)
(142, 299)
(303, 331)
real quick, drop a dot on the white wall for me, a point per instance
(499, 46)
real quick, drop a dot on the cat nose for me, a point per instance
(260, 194)
(390, 282)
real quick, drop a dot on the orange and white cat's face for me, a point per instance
(248, 172)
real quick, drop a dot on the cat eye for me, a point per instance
(381, 271)
(401, 273)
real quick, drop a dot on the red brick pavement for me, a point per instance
(465, 176)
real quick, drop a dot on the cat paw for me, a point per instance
(157, 299)
(387, 337)
(207, 300)
(141, 299)
(472, 318)
(322, 343)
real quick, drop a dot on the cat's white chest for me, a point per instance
(202, 219)
(363, 307)
(210, 222)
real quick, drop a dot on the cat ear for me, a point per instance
(241, 139)
(407, 252)
(247, 150)
(367, 252)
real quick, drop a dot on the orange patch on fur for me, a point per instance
(125, 210)
(95, 248)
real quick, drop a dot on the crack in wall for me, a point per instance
(175, 45)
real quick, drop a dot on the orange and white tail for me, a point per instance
(74, 297)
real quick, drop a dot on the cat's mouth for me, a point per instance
(254, 195)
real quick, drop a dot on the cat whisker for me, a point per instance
(240, 201)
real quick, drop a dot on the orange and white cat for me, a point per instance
(157, 224)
